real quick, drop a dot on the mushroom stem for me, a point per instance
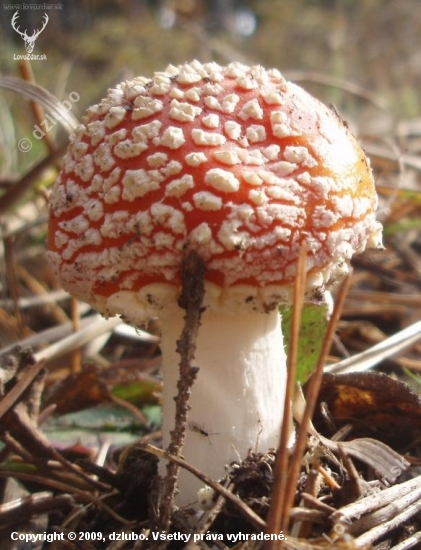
(238, 397)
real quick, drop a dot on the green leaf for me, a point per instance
(402, 226)
(138, 392)
(313, 327)
(120, 425)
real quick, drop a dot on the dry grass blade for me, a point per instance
(97, 327)
(27, 439)
(135, 411)
(51, 297)
(38, 112)
(383, 529)
(37, 93)
(18, 389)
(378, 152)
(67, 488)
(314, 387)
(375, 501)
(245, 510)
(76, 352)
(331, 81)
(370, 522)
(38, 503)
(62, 331)
(27, 280)
(281, 461)
(384, 350)
(12, 283)
(410, 542)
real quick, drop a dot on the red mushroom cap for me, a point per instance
(234, 162)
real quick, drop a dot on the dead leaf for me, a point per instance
(78, 391)
(93, 385)
(376, 404)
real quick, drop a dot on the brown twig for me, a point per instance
(63, 487)
(14, 446)
(35, 287)
(131, 408)
(14, 394)
(245, 510)
(19, 414)
(355, 480)
(318, 504)
(22, 509)
(23, 430)
(191, 300)
(281, 460)
(375, 526)
(25, 70)
(15, 192)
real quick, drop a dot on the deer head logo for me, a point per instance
(29, 40)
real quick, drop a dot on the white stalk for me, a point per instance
(238, 396)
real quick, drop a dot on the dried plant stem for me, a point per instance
(382, 526)
(281, 460)
(245, 510)
(25, 70)
(191, 301)
(22, 509)
(339, 83)
(76, 353)
(377, 500)
(410, 542)
(97, 326)
(135, 411)
(383, 350)
(38, 291)
(312, 393)
(67, 488)
(15, 393)
(26, 182)
(12, 281)
(33, 440)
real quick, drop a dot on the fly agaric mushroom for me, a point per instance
(242, 167)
